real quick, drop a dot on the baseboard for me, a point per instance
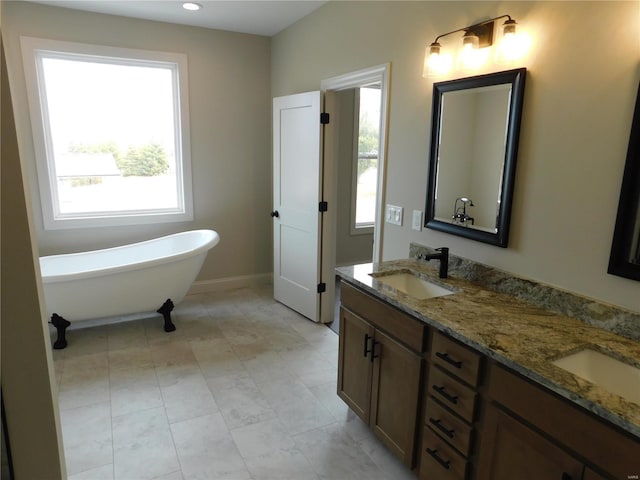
(230, 283)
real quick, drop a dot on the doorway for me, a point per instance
(354, 174)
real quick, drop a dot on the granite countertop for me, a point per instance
(514, 333)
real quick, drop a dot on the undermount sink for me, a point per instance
(609, 373)
(412, 285)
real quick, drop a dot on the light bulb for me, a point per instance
(471, 58)
(191, 6)
(435, 61)
(514, 45)
(470, 40)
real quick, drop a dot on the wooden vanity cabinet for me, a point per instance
(451, 410)
(380, 368)
(515, 451)
(474, 418)
(529, 432)
(591, 475)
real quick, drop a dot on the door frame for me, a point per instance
(377, 74)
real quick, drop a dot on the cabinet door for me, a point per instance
(394, 397)
(509, 449)
(354, 363)
(591, 475)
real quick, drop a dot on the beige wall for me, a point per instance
(581, 87)
(578, 108)
(27, 376)
(350, 248)
(230, 131)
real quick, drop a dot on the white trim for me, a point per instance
(368, 228)
(33, 51)
(354, 165)
(230, 283)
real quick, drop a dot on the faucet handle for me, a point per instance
(444, 250)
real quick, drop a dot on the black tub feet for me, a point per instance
(61, 326)
(165, 311)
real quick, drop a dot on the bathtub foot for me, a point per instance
(165, 310)
(61, 326)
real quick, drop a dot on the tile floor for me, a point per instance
(244, 389)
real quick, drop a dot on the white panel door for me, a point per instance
(297, 180)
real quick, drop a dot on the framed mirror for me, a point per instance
(624, 260)
(475, 128)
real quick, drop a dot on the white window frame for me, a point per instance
(33, 50)
(355, 228)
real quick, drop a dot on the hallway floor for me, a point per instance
(244, 389)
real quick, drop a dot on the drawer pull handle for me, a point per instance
(441, 390)
(366, 343)
(449, 360)
(442, 428)
(439, 459)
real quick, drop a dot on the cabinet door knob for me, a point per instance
(373, 349)
(275, 213)
(366, 343)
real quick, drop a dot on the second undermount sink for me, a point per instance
(412, 285)
(604, 371)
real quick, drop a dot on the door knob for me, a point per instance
(275, 214)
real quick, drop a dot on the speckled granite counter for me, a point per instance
(514, 333)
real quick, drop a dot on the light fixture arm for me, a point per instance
(474, 28)
(476, 37)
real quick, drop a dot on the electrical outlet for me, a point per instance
(416, 223)
(393, 215)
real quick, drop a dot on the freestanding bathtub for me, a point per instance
(123, 280)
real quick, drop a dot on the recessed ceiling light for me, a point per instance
(191, 6)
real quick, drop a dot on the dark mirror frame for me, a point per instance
(628, 205)
(517, 80)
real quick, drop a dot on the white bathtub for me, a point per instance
(140, 277)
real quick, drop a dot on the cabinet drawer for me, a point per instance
(448, 426)
(402, 327)
(439, 461)
(456, 358)
(452, 393)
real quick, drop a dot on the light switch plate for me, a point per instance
(416, 223)
(393, 215)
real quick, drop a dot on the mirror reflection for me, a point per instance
(474, 141)
(624, 260)
(471, 156)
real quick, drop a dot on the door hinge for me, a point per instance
(324, 118)
(322, 287)
(323, 206)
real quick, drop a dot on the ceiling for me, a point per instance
(259, 17)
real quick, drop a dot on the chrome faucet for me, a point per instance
(443, 256)
(460, 213)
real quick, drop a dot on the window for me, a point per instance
(110, 130)
(365, 168)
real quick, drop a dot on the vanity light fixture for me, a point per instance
(472, 55)
(191, 6)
